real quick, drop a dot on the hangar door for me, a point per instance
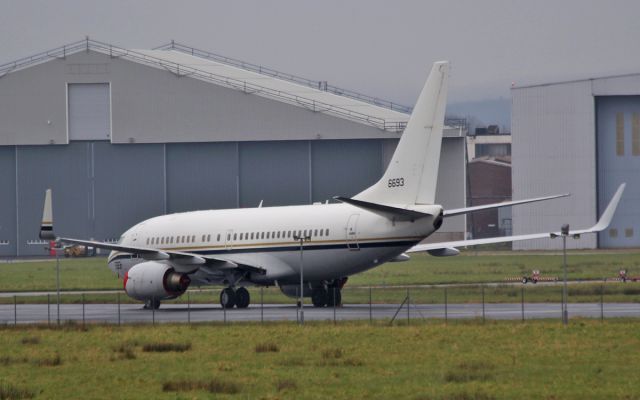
(89, 114)
(618, 143)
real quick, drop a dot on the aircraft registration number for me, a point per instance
(395, 182)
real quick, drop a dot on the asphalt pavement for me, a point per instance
(180, 313)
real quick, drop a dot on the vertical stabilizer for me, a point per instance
(46, 227)
(412, 174)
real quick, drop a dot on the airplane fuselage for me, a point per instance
(344, 240)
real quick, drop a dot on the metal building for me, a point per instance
(123, 135)
(580, 137)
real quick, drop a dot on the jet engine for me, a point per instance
(153, 280)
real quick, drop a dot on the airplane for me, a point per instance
(159, 258)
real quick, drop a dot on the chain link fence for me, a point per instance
(381, 305)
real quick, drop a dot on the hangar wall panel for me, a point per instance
(64, 169)
(129, 186)
(554, 152)
(33, 105)
(201, 176)
(344, 167)
(276, 172)
(89, 111)
(7, 201)
(618, 117)
(450, 189)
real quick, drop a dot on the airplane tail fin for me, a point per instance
(412, 174)
(46, 227)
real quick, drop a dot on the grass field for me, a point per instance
(92, 273)
(461, 360)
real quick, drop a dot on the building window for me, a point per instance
(628, 232)
(620, 134)
(613, 232)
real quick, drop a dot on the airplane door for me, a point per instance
(228, 240)
(352, 232)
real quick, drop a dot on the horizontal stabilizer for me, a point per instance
(602, 224)
(384, 210)
(458, 211)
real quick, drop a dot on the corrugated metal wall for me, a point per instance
(7, 201)
(553, 152)
(618, 134)
(101, 189)
(202, 176)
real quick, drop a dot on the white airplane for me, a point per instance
(159, 258)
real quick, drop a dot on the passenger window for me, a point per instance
(228, 236)
(235, 236)
(208, 238)
(241, 236)
(193, 238)
(321, 232)
(251, 235)
(218, 237)
(262, 235)
(162, 240)
(315, 232)
(278, 234)
(326, 232)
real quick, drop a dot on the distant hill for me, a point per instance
(483, 113)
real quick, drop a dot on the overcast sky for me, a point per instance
(381, 48)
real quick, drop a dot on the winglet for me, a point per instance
(607, 215)
(46, 227)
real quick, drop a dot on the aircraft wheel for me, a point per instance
(152, 304)
(319, 297)
(227, 298)
(334, 297)
(242, 298)
(525, 280)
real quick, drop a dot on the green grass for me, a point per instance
(460, 360)
(92, 273)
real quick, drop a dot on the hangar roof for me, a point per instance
(185, 61)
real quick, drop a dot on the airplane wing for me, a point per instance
(182, 261)
(449, 248)
(458, 211)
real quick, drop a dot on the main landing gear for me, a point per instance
(231, 297)
(326, 296)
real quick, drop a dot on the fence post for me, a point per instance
(224, 314)
(602, 302)
(482, 287)
(446, 316)
(261, 304)
(118, 299)
(370, 307)
(153, 311)
(522, 301)
(83, 310)
(188, 308)
(48, 309)
(408, 308)
(15, 310)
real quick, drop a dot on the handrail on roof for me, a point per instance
(320, 85)
(182, 70)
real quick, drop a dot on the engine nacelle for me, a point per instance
(153, 280)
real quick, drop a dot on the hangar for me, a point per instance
(580, 137)
(122, 135)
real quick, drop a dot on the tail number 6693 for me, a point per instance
(395, 182)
